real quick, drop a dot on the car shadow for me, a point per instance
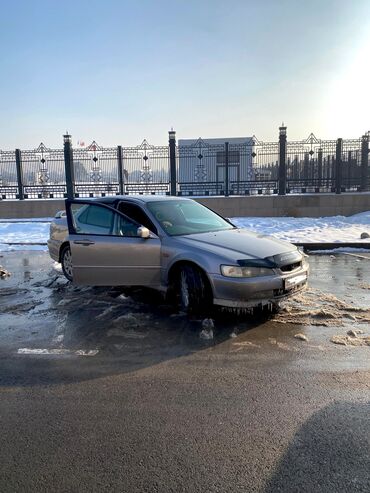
(123, 330)
(330, 452)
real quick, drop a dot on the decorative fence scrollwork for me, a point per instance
(43, 173)
(95, 171)
(146, 169)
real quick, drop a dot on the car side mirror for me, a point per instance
(60, 214)
(143, 232)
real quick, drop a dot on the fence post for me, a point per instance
(319, 168)
(120, 170)
(68, 164)
(306, 170)
(173, 174)
(226, 169)
(18, 163)
(338, 166)
(364, 162)
(282, 159)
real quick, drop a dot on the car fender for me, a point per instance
(206, 264)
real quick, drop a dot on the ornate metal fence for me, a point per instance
(317, 166)
(311, 165)
(264, 167)
(351, 165)
(192, 167)
(146, 169)
(42, 173)
(8, 175)
(201, 168)
(228, 168)
(96, 171)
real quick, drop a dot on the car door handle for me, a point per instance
(84, 242)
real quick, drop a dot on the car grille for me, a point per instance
(291, 267)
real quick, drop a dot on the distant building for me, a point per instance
(202, 164)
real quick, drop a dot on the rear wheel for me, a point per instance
(193, 290)
(66, 261)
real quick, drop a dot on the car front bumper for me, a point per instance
(257, 291)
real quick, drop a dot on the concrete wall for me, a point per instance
(15, 209)
(315, 205)
(290, 205)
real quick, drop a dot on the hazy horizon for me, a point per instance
(120, 72)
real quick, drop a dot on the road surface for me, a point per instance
(101, 391)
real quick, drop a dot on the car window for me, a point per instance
(182, 217)
(97, 220)
(137, 214)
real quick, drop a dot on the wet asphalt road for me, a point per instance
(127, 397)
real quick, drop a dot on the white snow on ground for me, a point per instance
(23, 232)
(336, 229)
(58, 351)
(23, 247)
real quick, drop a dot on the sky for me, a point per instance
(121, 71)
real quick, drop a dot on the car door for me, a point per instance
(106, 249)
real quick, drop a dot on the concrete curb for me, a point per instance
(28, 243)
(311, 247)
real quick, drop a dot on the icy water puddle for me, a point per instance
(41, 313)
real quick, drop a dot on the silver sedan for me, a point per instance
(194, 256)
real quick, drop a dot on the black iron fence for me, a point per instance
(188, 168)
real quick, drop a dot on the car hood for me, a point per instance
(238, 243)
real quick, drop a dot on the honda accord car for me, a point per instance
(176, 245)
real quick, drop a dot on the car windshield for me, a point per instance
(186, 217)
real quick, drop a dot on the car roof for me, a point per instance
(135, 198)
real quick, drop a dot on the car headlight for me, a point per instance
(305, 262)
(235, 271)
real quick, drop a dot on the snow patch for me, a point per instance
(350, 341)
(335, 229)
(76, 352)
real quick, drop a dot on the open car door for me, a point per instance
(106, 247)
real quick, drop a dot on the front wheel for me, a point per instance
(193, 290)
(66, 261)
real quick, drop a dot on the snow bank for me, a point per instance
(27, 232)
(336, 229)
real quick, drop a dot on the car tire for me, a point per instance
(193, 291)
(275, 308)
(66, 261)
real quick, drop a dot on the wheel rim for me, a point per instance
(184, 290)
(67, 263)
